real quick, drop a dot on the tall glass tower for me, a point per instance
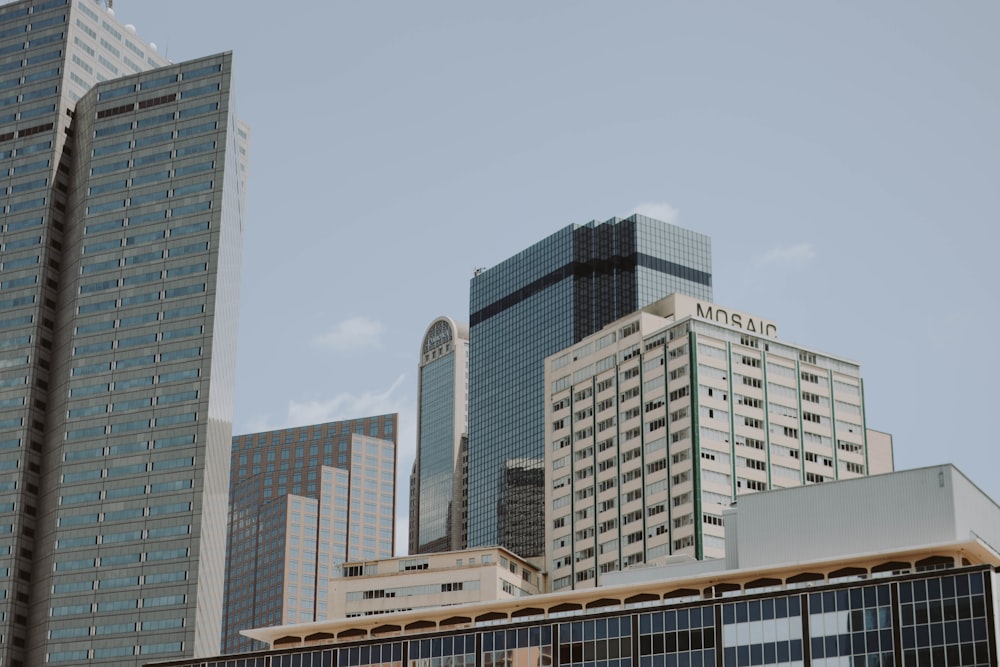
(122, 180)
(437, 505)
(539, 301)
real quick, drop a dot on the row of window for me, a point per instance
(160, 82)
(407, 591)
(133, 404)
(126, 536)
(146, 339)
(96, 496)
(117, 628)
(148, 197)
(118, 428)
(120, 560)
(754, 632)
(127, 514)
(347, 427)
(81, 656)
(146, 297)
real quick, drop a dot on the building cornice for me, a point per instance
(686, 588)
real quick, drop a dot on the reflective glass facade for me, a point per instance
(943, 618)
(303, 501)
(436, 463)
(436, 505)
(534, 304)
(122, 200)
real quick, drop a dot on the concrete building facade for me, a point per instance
(871, 589)
(541, 300)
(121, 222)
(431, 580)
(303, 501)
(437, 483)
(659, 421)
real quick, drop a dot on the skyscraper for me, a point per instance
(437, 504)
(659, 421)
(534, 304)
(303, 501)
(122, 191)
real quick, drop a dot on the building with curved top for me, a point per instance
(437, 483)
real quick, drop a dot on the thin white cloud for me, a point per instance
(258, 424)
(659, 210)
(346, 405)
(794, 255)
(353, 334)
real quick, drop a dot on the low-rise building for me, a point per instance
(431, 580)
(900, 569)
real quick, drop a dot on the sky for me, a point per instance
(844, 157)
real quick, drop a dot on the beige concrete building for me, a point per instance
(367, 588)
(869, 587)
(658, 422)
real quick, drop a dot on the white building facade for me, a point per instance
(660, 421)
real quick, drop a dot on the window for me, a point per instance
(413, 564)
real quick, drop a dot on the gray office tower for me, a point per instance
(121, 205)
(539, 301)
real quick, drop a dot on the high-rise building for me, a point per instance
(659, 421)
(303, 501)
(122, 180)
(437, 503)
(534, 304)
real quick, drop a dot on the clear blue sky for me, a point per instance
(844, 158)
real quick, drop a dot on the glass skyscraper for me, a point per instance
(303, 501)
(122, 181)
(534, 304)
(437, 505)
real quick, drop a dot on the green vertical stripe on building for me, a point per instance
(695, 448)
(732, 421)
(864, 428)
(833, 424)
(767, 421)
